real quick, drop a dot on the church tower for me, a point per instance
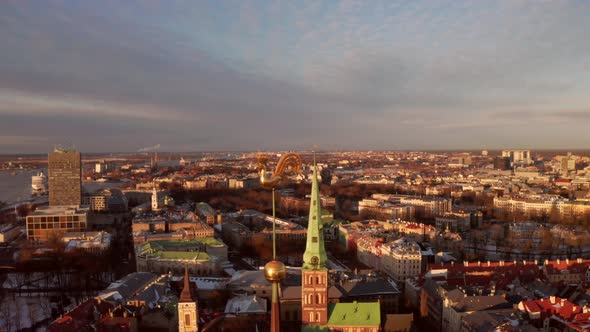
(155, 203)
(314, 288)
(188, 315)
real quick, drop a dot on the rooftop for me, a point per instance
(354, 314)
(198, 255)
(60, 210)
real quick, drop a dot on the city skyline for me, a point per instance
(284, 76)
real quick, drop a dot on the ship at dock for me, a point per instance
(39, 184)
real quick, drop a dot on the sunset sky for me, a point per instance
(264, 75)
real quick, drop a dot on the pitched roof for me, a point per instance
(551, 306)
(246, 304)
(481, 303)
(354, 314)
(373, 286)
(129, 285)
(185, 295)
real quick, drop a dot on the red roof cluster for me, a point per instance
(80, 317)
(573, 266)
(551, 306)
(500, 274)
(581, 322)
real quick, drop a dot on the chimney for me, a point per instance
(524, 262)
(489, 263)
(478, 263)
(536, 262)
(552, 299)
(466, 263)
(567, 261)
(579, 260)
(558, 261)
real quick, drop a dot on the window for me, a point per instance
(317, 316)
(187, 319)
(311, 317)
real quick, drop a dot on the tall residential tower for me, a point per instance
(65, 175)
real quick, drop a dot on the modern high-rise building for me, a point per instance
(518, 156)
(568, 165)
(65, 175)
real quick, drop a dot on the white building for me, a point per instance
(518, 156)
(401, 259)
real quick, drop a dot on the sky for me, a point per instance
(111, 76)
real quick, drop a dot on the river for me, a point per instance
(15, 188)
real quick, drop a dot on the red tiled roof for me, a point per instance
(553, 306)
(581, 322)
(573, 266)
(560, 180)
(484, 274)
(79, 317)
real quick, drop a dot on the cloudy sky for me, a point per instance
(256, 75)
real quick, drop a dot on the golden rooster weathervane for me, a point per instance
(288, 163)
(275, 270)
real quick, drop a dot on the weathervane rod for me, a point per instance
(274, 226)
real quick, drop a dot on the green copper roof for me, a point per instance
(315, 257)
(178, 249)
(354, 314)
(183, 255)
(182, 244)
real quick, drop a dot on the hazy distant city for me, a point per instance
(338, 166)
(416, 240)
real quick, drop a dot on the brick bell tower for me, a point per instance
(188, 313)
(314, 287)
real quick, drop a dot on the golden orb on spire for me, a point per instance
(275, 271)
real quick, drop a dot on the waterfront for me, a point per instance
(16, 185)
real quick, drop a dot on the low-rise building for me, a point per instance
(93, 242)
(201, 256)
(106, 200)
(567, 271)
(243, 183)
(51, 220)
(9, 232)
(455, 309)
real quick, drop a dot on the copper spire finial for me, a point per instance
(185, 295)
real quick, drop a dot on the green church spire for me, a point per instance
(315, 257)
